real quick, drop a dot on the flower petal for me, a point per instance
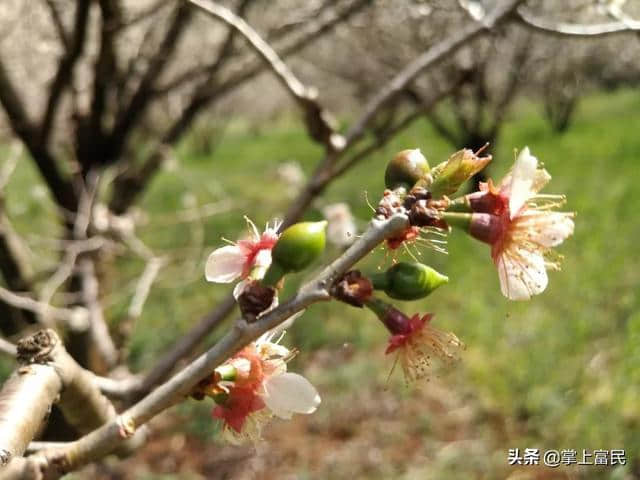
(240, 288)
(225, 264)
(522, 273)
(290, 393)
(522, 178)
(262, 260)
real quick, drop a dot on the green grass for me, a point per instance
(562, 370)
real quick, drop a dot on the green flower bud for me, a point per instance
(408, 281)
(405, 169)
(449, 175)
(298, 246)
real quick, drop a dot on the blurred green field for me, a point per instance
(560, 371)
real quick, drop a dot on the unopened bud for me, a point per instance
(449, 175)
(405, 169)
(297, 248)
(409, 281)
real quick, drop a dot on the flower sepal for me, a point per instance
(352, 288)
(256, 298)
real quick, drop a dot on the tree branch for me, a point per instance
(100, 338)
(318, 182)
(70, 316)
(181, 349)
(25, 401)
(248, 67)
(7, 348)
(92, 134)
(143, 94)
(428, 58)
(104, 440)
(57, 22)
(575, 29)
(129, 185)
(60, 188)
(318, 125)
(45, 372)
(62, 78)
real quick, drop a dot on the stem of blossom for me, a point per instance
(458, 220)
(482, 226)
(380, 281)
(460, 204)
(273, 275)
(392, 318)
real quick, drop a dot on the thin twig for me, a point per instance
(428, 58)
(322, 130)
(575, 29)
(7, 348)
(74, 317)
(143, 287)
(65, 269)
(59, 24)
(98, 329)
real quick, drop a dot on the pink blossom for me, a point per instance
(521, 227)
(239, 259)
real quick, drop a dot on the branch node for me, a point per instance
(37, 347)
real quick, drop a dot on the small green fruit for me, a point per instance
(405, 169)
(408, 281)
(298, 246)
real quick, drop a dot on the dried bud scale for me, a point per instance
(255, 299)
(352, 288)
